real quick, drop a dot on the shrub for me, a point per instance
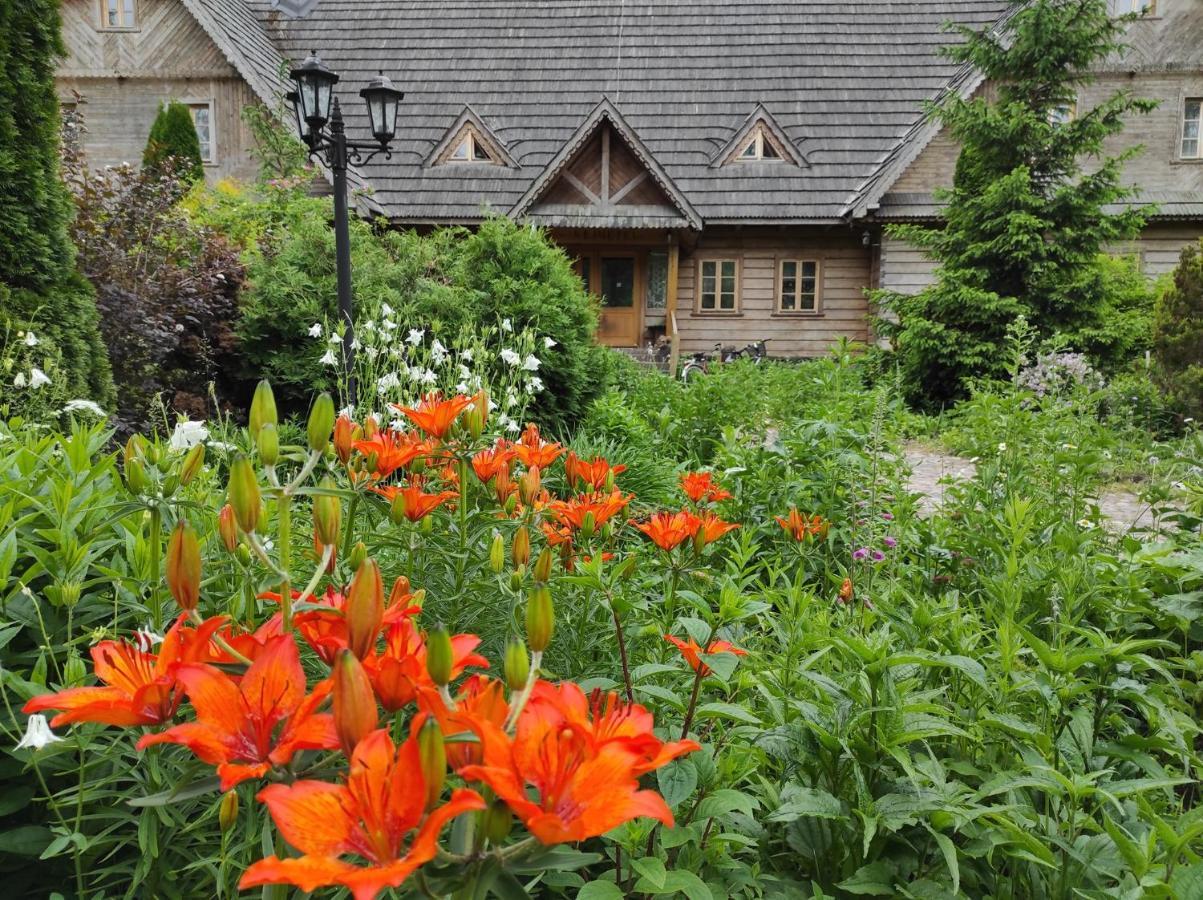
(165, 286)
(173, 139)
(40, 291)
(1178, 335)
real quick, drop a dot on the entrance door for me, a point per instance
(619, 325)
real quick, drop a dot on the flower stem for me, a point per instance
(284, 537)
(693, 702)
(622, 653)
(536, 659)
(156, 549)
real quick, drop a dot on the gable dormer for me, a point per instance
(759, 139)
(605, 177)
(470, 140)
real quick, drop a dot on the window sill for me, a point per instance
(118, 29)
(718, 314)
(798, 314)
(1187, 161)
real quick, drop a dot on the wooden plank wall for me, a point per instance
(124, 76)
(845, 267)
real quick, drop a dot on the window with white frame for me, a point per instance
(1192, 114)
(1126, 7)
(718, 288)
(202, 119)
(798, 286)
(118, 14)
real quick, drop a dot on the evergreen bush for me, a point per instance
(1178, 335)
(40, 291)
(173, 137)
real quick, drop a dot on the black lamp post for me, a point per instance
(314, 105)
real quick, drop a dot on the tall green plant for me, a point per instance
(1025, 222)
(173, 137)
(1178, 334)
(40, 290)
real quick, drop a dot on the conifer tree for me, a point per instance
(40, 289)
(173, 137)
(1025, 222)
(1178, 335)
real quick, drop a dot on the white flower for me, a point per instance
(387, 382)
(19, 381)
(462, 387)
(372, 352)
(368, 326)
(549, 342)
(334, 339)
(187, 435)
(466, 354)
(37, 378)
(37, 734)
(536, 384)
(178, 328)
(512, 425)
(348, 411)
(429, 377)
(464, 371)
(222, 446)
(503, 420)
(531, 363)
(388, 325)
(87, 406)
(386, 310)
(415, 336)
(329, 359)
(315, 330)
(1002, 448)
(355, 345)
(438, 352)
(507, 325)
(31, 339)
(510, 357)
(146, 638)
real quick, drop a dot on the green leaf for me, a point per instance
(804, 802)
(27, 840)
(677, 781)
(174, 795)
(600, 890)
(949, 850)
(875, 878)
(722, 665)
(15, 797)
(698, 630)
(726, 800)
(651, 868)
(726, 711)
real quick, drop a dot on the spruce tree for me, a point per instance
(40, 289)
(1178, 335)
(1025, 223)
(173, 137)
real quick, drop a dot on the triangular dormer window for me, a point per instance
(470, 149)
(469, 140)
(758, 145)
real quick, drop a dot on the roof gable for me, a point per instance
(604, 176)
(470, 122)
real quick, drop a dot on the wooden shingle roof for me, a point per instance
(845, 82)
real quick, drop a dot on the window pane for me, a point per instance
(768, 151)
(1190, 149)
(463, 151)
(708, 300)
(789, 269)
(727, 301)
(728, 268)
(204, 131)
(584, 269)
(618, 281)
(111, 18)
(749, 151)
(709, 267)
(787, 299)
(809, 269)
(1190, 129)
(129, 13)
(728, 286)
(657, 281)
(708, 284)
(480, 153)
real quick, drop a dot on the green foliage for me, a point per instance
(1025, 224)
(39, 288)
(173, 137)
(1178, 334)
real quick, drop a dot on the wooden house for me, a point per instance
(721, 170)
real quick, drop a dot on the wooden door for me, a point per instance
(616, 279)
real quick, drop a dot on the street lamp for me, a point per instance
(314, 107)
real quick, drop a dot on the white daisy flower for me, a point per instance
(37, 378)
(37, 734)
(315, 330)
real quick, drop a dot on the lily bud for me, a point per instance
(529, 485)
(627, 569)
(511, 503)
(227, 527)
(170, 484)
(184, 566)
(432, 758)
(321, 420)
(498, 820)
(135, 448)
(400, 592)
(135, 476)
(588, 525)
(370, 428)
(497, 553)
(243, 554)
(263, 409)
(355, 714)
(227, 812)
(244, 493)
(516, 578)
(439, 655)
(516, 665)
(344, 438)
(540, 619)
(477, 414)
(364, 608)
(192, 464)
(359, 553)
(699, 539)
(327, 514)
(520, 550)
(542, 568)
(503, 488)
(396, 509)
(269, 444)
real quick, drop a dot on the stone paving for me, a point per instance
(932, 469)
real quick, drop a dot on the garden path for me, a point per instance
(932, 471)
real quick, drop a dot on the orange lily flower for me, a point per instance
(325, 629)
(533, 451)
(669, 529)
(712, 527)
(391, 451)
(693, 653)
(605, 718)
(139, 687)
(434, 415)
(492, 460)
(594, 472)
(556, 537)
(245, 728)
(480, 699)
(699, 486)
(417, 503)
(399, 675)
(602, 507)
(799, 527)
(383, 800)
(846, 591)
(583, 788)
